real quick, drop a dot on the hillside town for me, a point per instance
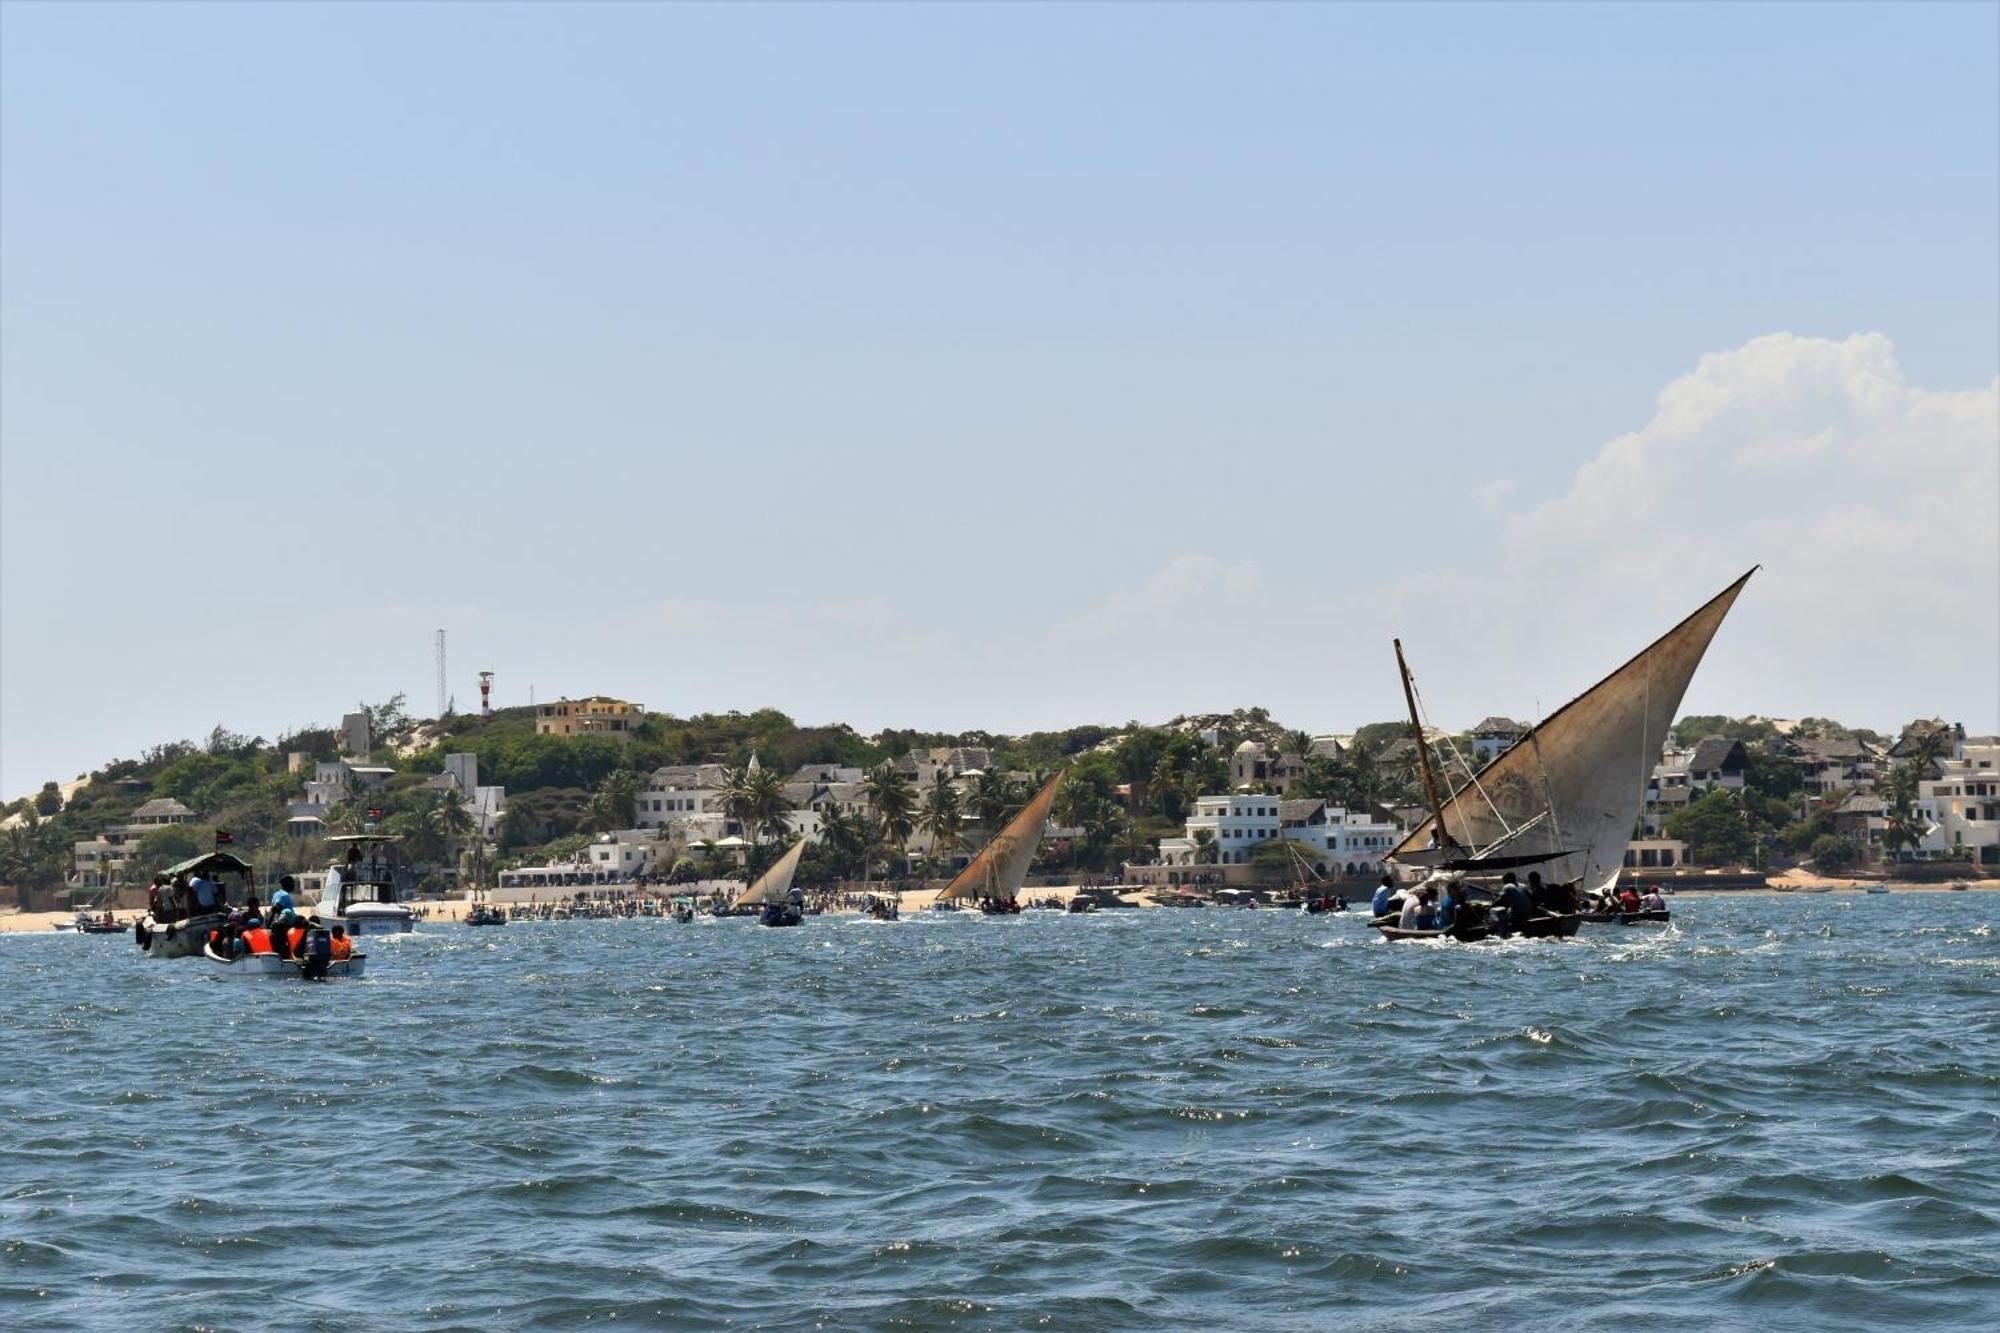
(583, 800)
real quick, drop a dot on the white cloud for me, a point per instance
(1873, 505)
(1185, 590)
(1490, 496)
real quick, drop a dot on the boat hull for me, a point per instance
(1656, 916)
(176, 939)
(269, 967)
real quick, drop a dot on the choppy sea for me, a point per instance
(1778, 1113)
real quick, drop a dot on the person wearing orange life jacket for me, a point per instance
(257, 940)
(343, 948)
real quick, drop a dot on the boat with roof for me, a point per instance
(994, 876)
(165, 932)
(1560, 804)
(361, 892)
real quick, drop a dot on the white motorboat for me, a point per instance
(361, 888)
(263, 966)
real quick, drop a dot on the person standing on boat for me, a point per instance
(1380, 904)
(281, 900)
(204, 893)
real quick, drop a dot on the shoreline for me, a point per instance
(451, 911)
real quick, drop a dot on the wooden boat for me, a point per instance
(267, 966)
(485, 914)
(994, 876)
(770, 894)
(1564, 798)
(185, 938)
(1657, 914)
(1475, 925)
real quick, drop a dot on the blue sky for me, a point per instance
(995, 366)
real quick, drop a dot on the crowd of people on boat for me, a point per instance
(1444, 902)
(280, 929)
(1626, 900)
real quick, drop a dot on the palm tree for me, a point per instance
(766, 811)
(1204, 847)
(940, 816)
(616, 804)
(894, 799)
(845, 839)
(995, 798)
(737, 801)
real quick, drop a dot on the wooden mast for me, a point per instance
(1423, 750)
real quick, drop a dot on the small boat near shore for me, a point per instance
(994, 876)
(485, 914)
(772, 895)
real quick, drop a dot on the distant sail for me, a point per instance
(1568, 793)
(774, 885)
(1001, 867)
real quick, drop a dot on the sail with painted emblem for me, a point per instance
(1001, 867)
(774, 886)
(1566, 796)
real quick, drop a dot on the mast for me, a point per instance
(1423, 751)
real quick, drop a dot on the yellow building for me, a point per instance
(595, 716)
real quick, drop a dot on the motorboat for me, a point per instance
(265, 966)
(361, 887)
(183, 937)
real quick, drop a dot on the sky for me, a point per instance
(1004, 367)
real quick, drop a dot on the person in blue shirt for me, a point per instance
(1447, 912)
(281, 901)
(1515, 899)
(1380, 903)
(206, 896)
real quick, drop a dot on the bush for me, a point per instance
(1835, 853)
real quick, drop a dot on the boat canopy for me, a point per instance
(211, 861)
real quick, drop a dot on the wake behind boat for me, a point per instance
(1565, 797)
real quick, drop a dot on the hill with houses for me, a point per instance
(598, 789)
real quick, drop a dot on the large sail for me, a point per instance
(1566, 795)
(1001, 867)
(774, 886)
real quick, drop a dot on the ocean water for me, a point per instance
(1780, 1113)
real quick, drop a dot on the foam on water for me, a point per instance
(1776, 1112)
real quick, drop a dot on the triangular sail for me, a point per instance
(1001, 867)
(1584, 767)
(774, 886)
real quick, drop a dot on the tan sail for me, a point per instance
(1571, 789)
(1001, 866)
(774, 886)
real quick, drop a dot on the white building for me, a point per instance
(1961, 806)
(1338, 841)
(1236, 823)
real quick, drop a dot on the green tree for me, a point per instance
(166, 845)
(616, 803)
(1204, 846)
(1834, 854)
(940, 816)
(1137, 759)
(893, 797)
(1714, 829)
(48, 801)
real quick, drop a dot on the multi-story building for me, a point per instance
(596, 716)
(1961, 806)
(1337, 840)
